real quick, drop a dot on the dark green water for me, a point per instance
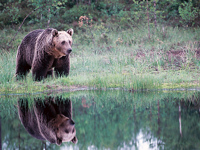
(111, 120)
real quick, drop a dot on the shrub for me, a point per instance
(188, 13)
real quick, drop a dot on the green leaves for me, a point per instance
(188, 13)
(124, 14)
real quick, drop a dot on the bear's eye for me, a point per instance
(66, 131)
(70, 42)
(63, 42)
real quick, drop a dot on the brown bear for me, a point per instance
(49, 119)
(42, 50)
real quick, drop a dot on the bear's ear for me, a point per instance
(70, 32)
(54, 32)
(74, 140)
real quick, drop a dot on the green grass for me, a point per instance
(124, 59)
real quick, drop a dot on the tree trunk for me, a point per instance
(180, 126)
(155, 21)
(49, 18)
(148, 19)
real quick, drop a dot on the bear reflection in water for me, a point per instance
(49, 119)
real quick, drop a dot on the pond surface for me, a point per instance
(103, 120)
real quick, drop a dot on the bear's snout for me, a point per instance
(69, 50)
(72, 122)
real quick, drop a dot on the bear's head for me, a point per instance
(62, 42)
(65, 131)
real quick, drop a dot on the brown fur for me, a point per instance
(48, 120)
(43, 50)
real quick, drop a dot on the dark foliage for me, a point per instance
(125, 13)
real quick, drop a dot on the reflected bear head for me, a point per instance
(48, 119)
(64, 129)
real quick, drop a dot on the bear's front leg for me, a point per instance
(39, 73)
(62, 66)
(49, 73)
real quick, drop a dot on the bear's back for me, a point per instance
(28, 119)
(27, 46)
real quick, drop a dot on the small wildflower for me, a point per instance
(84, 21)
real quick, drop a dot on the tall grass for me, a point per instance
(121, 59)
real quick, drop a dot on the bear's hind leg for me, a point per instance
(22, 70)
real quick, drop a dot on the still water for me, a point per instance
(101, 120)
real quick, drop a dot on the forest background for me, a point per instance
(125, 13)
(153, 44)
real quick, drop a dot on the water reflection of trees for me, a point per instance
(114, 120)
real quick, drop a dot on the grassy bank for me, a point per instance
(108, 58)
